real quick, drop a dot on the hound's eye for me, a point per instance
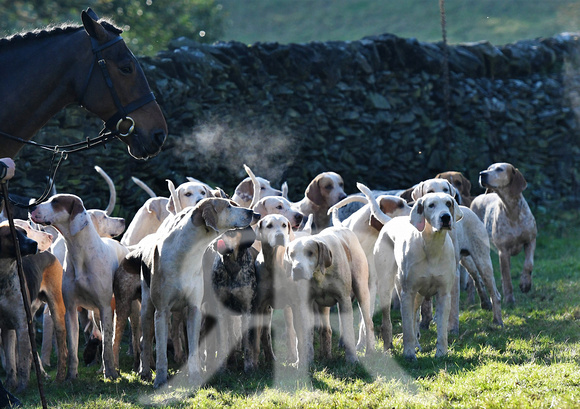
(269, 226)
(284, 225)
(328, 187)
(341, 184)
(457, 183)
(204, 193)
(499, 169)
(446, 190)
(309, 253)
(126, 69)
(430, 191)
(187, 194)
(279, 207)
(262, 188)
(448, 204)
(431, 205)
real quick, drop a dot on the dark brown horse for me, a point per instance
(43, 71)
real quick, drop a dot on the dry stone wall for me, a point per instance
(372, 110)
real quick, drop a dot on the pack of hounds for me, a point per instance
(201, 274)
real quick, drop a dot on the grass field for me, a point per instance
(498, 21)
(534, 361)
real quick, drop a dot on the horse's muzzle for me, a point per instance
(145, 148)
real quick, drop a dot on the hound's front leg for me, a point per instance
(443, 305)
(193, 330)
(72, 337)
(107, 327)
(161, 330)
(304, 325)
(408, 319)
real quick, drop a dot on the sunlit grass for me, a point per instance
(534, 361)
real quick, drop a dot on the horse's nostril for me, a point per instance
(159, 137)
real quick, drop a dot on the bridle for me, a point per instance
(113, 123)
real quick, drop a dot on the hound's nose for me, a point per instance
(298, 273)
(446, 220)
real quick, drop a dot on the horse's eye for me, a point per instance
(127, 69)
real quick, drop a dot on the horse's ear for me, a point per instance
(93, 29)
(92, 14)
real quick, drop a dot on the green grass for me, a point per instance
(534, 361)
(297, 21)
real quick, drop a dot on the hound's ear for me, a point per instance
(245, 190)
(453, 192)
(324, 256)
(313, 191)
(417, 217)
(79, 219)
(205, 214)
(260, 208)
(457, 212)
(218, 192)
(518, 183)
(173, 206)
(417, 191)
(92, 27)
(259, 227)
(210, 216)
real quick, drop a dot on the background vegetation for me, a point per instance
(151, 24)
(497, 21)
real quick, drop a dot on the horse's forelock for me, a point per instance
(110, 26)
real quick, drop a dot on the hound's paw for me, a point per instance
(525, 284)
(111, 374)
(145, 376)
(159, 381)
(410, 356)
(486, 304)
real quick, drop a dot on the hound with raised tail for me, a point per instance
(367, 227)
(88, 272)
(415, 254)
(510, 224)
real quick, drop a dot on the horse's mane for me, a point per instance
(51, 31)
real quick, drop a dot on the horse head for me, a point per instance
(117, 91)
